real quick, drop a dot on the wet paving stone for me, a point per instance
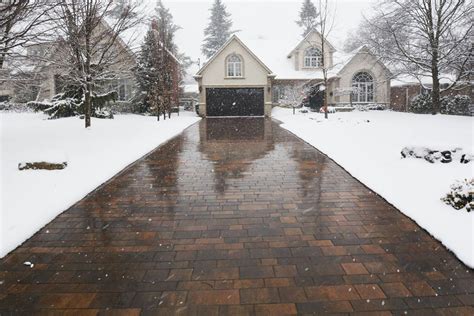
(234, 217)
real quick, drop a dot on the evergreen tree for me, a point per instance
(146, 73)
(308, 16)
(156, 66)
(119, 7)
(218, 30)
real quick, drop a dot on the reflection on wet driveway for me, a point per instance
(233, 216)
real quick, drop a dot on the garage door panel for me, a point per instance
(235, 101)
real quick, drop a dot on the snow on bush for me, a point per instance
(421, 104)
(453, 105)
(456, 105)
(370, 107)
(461, 195)
(72, 104)
(14, 107)
(432, 155)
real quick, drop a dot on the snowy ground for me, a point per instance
(30, 199)
(368, 145)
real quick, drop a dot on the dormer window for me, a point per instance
(313, 58)
(234, 66)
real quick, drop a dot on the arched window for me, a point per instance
(234, 66)
(363, 87)
(313, 58)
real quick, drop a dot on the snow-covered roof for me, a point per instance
(274, 53)
(231, 39)
(189, 88)
(424, 79)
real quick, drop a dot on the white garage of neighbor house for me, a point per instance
(235, 82)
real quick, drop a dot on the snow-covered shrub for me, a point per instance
(461, 195)
(432, 155)
(63, 108)
(14, 107)
(39, 106)
(370, 107)
(71, 103)
(456, 105)
(421, 104)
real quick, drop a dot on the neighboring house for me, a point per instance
(121, 76)
(46, 76)
(236, 82)
(405, 88)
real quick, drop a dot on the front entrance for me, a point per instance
(234, 102)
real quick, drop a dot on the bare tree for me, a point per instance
(324, 26)
(293, 95)
(22, 22)
(91, 50)
(425, 37)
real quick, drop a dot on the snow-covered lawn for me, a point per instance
(30, 199)
(368, 145)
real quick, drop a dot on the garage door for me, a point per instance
(234, 101)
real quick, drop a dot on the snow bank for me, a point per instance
(368, 145)
(32, 198)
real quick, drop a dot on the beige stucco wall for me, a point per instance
(254, 75)
(313, 40)
(368, 63)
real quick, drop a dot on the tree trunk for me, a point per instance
(435, 93)
(87, 105)
(325, 104)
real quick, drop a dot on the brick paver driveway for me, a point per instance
(234, 216)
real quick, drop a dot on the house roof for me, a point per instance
(230, 40)
(341, 60)
(423, 79)
(331, 48)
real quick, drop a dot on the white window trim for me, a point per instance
(361, 93)
(312, 61)
(232, 67)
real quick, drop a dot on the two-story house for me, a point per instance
(243, 81)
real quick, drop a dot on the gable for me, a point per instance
(362, 60)
(233, 45)
(312, 39)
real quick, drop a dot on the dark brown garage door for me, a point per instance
(234, 101)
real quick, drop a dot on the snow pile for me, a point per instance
(432, 155)
(32, 198)
(461, 195)
(368, 144)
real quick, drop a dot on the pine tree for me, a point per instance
(308, 16)
(146, 73)
(157, 71)
(218, 30)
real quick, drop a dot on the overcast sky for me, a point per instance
(262, 18)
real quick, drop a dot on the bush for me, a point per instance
(71, 103)
(39, 106)
(421, 104)
(461, 195)
(453, 105)
(63, 108)
(456, 105)
(369, 107)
